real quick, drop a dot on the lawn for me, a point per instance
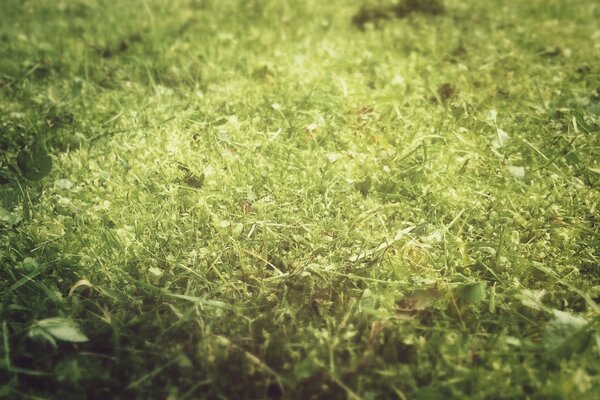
(230, 199)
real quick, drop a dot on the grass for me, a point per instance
(317, 200)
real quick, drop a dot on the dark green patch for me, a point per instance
(34, 163)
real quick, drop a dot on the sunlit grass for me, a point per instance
(260, 199)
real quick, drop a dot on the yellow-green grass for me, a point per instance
(262, 199)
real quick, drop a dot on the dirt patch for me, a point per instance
(427, 7)
(119, 48)
(375, 14)
(444, 93)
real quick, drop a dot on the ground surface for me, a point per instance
(303, 199)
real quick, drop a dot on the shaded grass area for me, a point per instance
(261, 200)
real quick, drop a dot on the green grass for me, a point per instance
(267, 199)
